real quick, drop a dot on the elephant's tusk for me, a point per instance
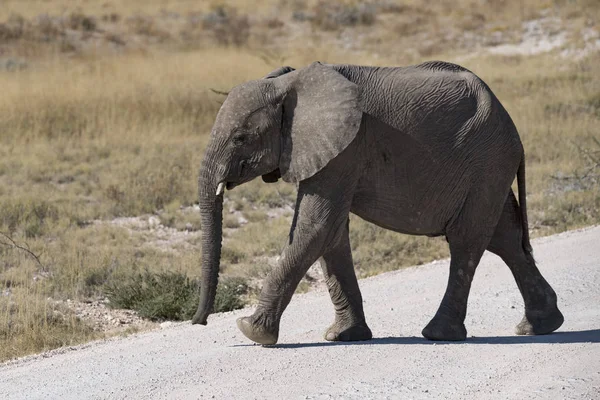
(220, 188)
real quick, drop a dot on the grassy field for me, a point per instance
(94, 129)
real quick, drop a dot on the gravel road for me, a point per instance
(181, 361)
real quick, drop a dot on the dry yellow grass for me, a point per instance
(32, 8)
(98, 135)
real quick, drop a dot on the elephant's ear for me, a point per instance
(321, 116)
(278, 72)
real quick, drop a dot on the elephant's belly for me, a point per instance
(410, 195)
(407, 186)
(398, 214)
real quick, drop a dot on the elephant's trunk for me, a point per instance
(211, 211)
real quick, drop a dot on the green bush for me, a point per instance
(170, 295)
(228, 294)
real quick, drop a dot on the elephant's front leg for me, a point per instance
(349, 324)
(319, 222)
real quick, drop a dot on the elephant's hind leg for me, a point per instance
(468, 236)
(448, 322)
(541, 312)
(349, 324)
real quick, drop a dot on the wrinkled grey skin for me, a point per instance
(423, 150)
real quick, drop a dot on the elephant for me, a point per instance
(425, 149)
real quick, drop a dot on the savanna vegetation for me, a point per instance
(106, 106)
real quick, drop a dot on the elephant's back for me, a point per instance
(438, 103)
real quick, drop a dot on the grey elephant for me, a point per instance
(423, 150)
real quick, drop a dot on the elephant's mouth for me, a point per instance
(243, 178)
(230, 185)
(224, 184)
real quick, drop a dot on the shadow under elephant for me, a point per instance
(583, 336)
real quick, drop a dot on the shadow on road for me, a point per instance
(588, 336)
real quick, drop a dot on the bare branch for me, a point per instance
(271, 58)
(11, 243)
(593, 162)
(265, 57)
(219, 92)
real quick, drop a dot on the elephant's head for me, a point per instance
(289, 124)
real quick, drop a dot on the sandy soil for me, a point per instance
(181, 361)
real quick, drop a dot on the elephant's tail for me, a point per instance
(523, 205)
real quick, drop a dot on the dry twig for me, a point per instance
(12, 244)
(593, 158)
(219, 92)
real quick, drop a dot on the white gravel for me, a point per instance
(182, 361)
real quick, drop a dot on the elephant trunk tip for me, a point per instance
(199, 319)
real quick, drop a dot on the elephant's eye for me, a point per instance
(239, 139)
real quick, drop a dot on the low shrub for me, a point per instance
(227, 27)
(331, 16)
(170, 295)
(229, 294)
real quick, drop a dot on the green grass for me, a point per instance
(169, 295)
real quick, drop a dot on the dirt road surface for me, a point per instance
(182, 361)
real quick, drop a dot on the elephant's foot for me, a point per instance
(256, 332)
(540, 323)
(444, 328)
(339, 333)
